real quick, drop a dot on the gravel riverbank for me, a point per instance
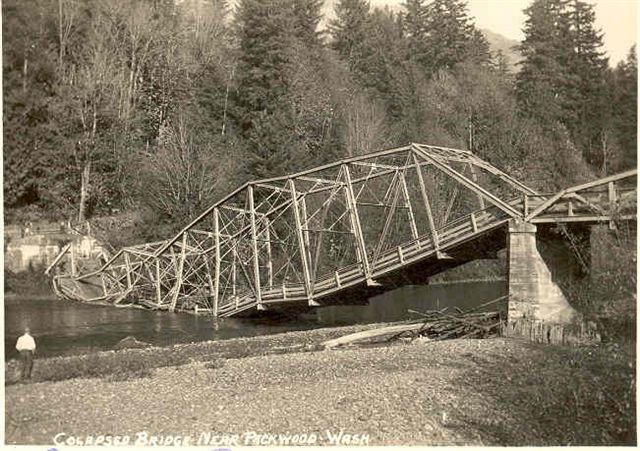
(453, 392)
(121, 362)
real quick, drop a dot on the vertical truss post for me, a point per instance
(178, 285)
(234, 268)
(412, 219)
(158, 287)
(216, 277)
(474, 224)
(320, 239)
(427, 205)
(127, 264)
(612, 203)
(308, 288)
(72, 254)
(395, 192)
(355, 224)
(209, 278)
(104, 285)
(267, 238)
(305, 224)
(254, 245)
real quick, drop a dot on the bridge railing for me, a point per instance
(597, 200)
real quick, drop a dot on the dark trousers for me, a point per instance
(27, 363)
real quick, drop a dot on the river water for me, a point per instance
(64, 328)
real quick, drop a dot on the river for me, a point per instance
(64, 328)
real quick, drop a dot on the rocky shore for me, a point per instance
(454, 392)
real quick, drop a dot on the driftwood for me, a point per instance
(370, 334)
(435, 325)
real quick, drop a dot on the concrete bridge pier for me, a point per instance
(534, 295)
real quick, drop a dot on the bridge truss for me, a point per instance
(306, 236)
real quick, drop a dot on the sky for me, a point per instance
(616, 18)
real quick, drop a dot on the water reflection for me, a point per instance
(62, 327)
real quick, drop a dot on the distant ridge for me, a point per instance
(498, 42)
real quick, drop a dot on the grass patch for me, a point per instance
(559, 396)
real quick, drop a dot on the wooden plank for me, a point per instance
(374, 333)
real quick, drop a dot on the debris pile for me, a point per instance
(438, 325)
(433, 325)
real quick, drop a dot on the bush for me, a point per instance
(608, 295)
(31, 282)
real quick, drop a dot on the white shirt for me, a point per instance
(26, 343)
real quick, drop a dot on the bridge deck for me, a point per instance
(401, 215)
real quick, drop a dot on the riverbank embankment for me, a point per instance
(473, 392)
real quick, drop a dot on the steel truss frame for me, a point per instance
(287, 238)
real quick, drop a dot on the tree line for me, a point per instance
(159, 107)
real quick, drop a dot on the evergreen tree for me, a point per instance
(625, 106)
(414, 25)
(587, 105)
(478, 49)
(387, 76)
(306, 17)
(547, 50)
(274, 36)
(263, 35)
(450, 36)
(563, 75)
(349, 32)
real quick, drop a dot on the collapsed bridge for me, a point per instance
(346, 231)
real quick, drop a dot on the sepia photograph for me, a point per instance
(233, 223)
